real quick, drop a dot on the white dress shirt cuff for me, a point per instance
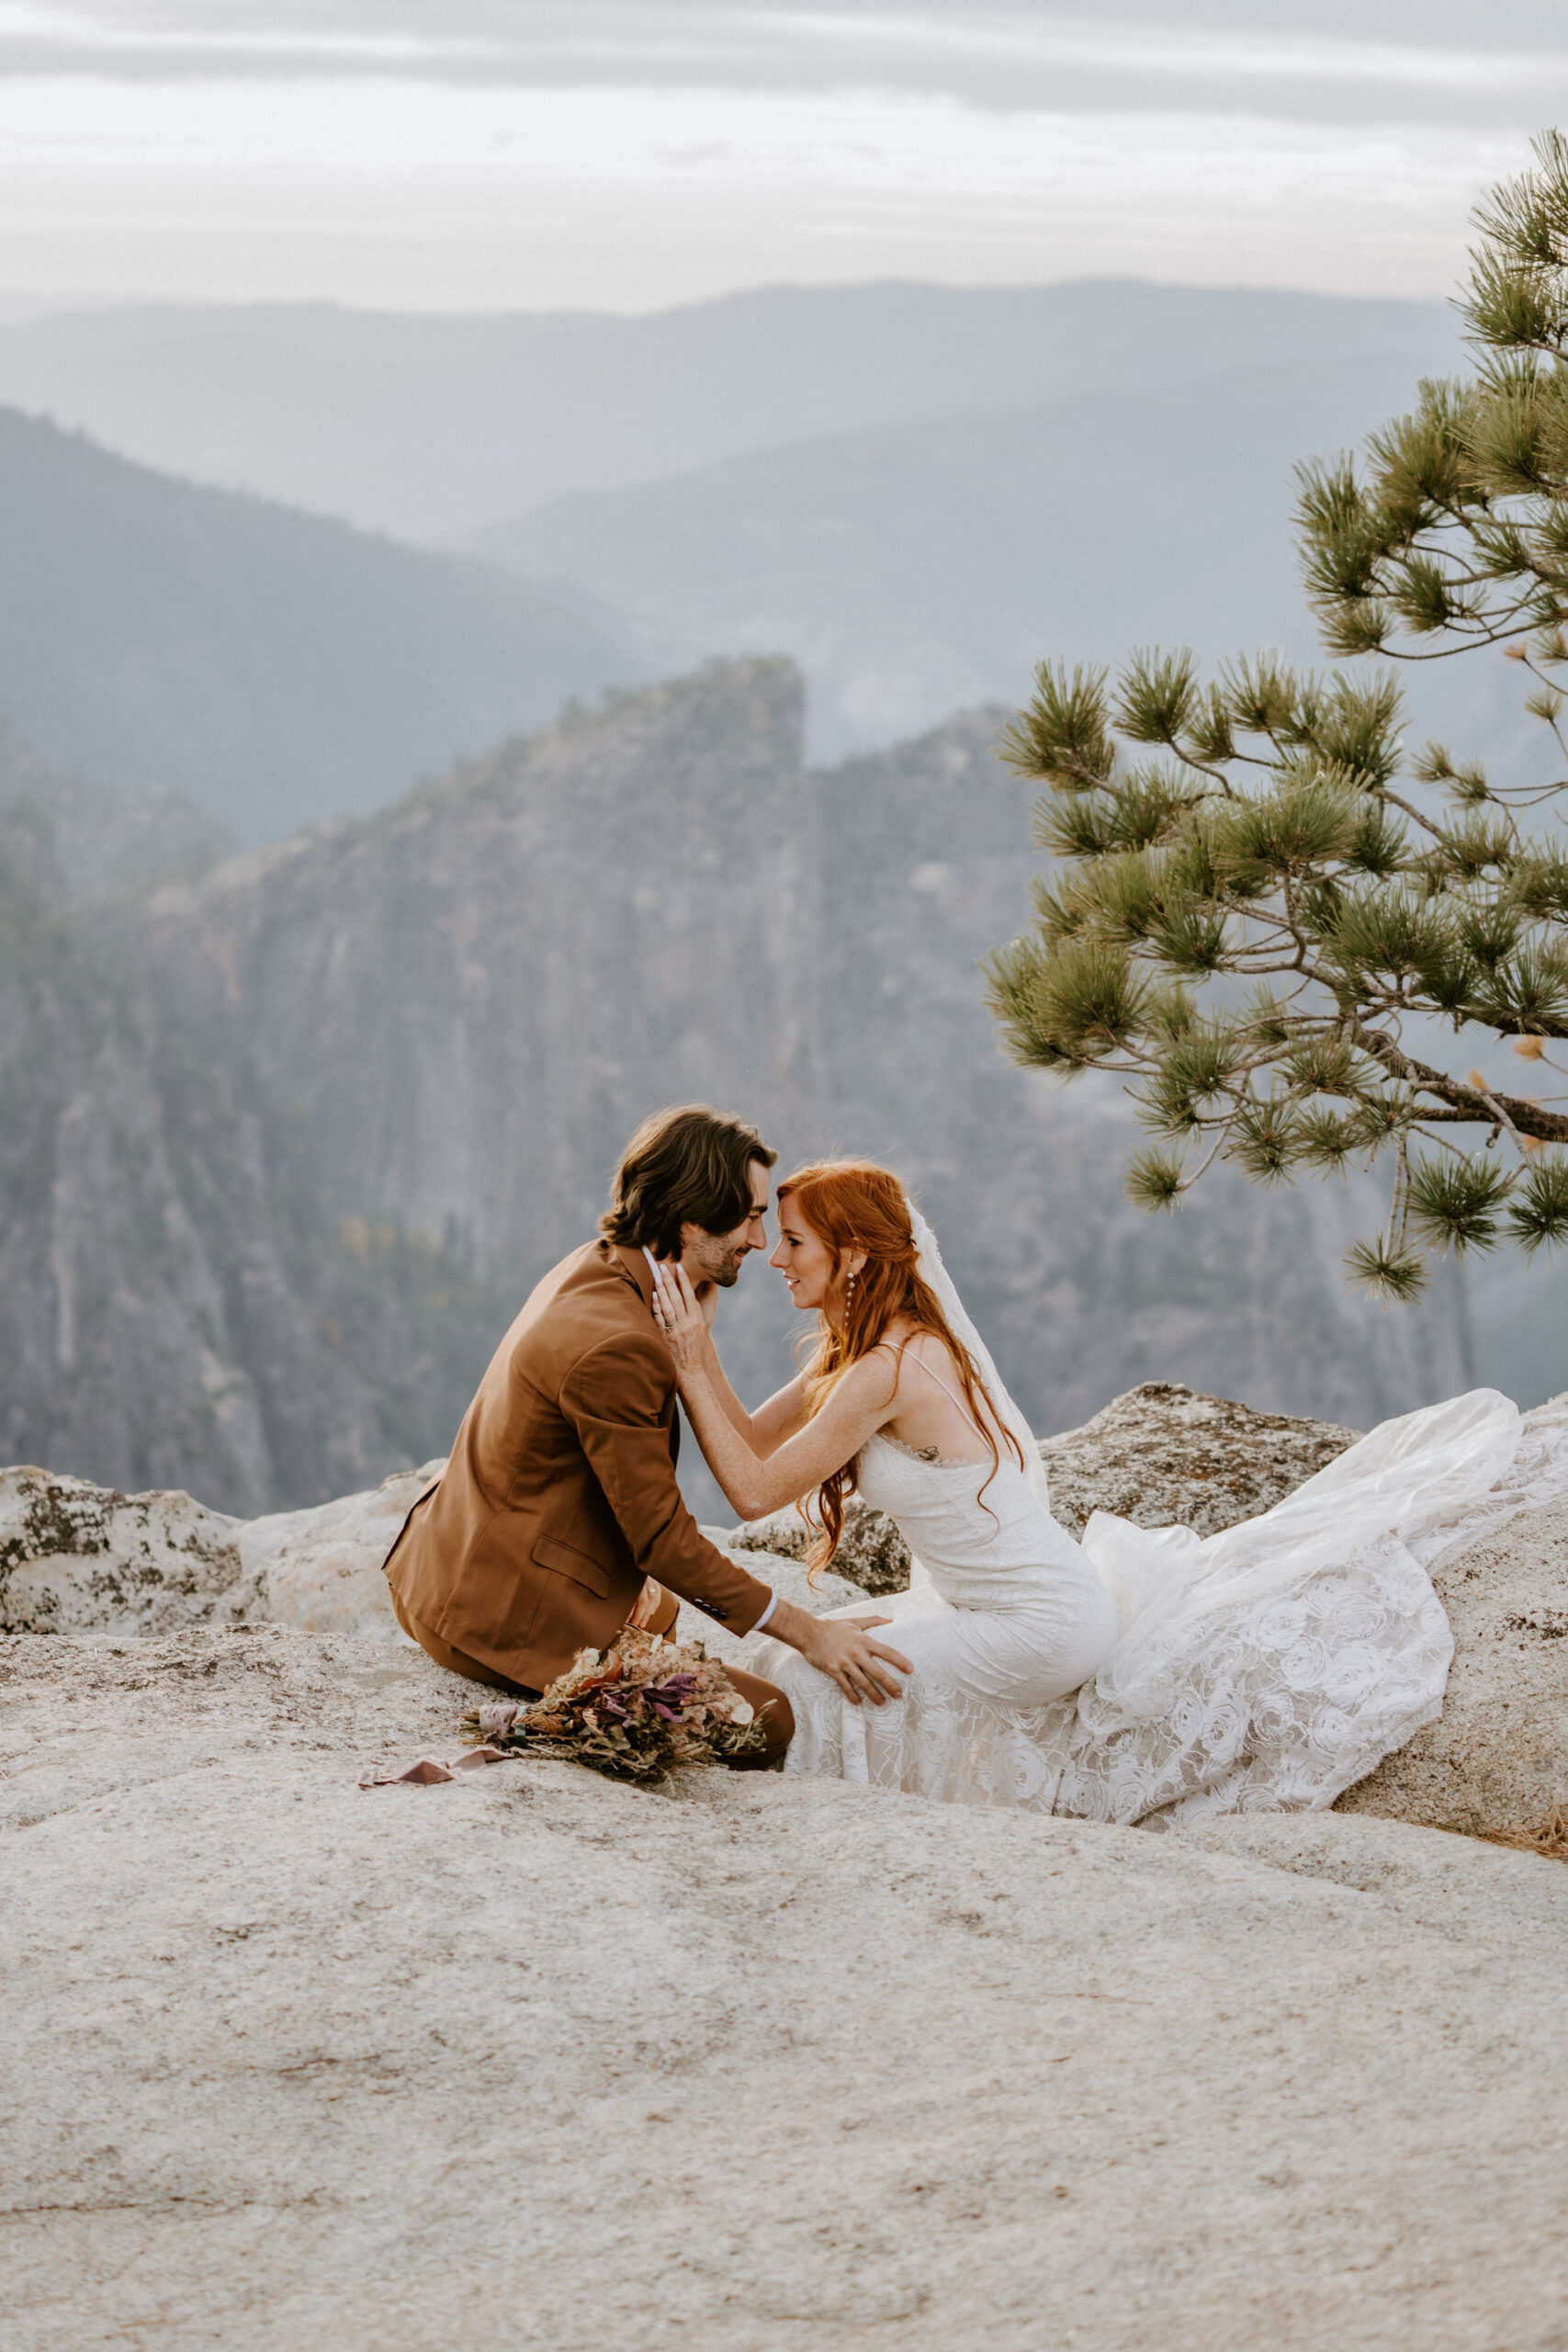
(773, 1604)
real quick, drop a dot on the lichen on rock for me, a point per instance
(1163, 1456)
(79, 1558)
(872, 1553)
(83, 1559)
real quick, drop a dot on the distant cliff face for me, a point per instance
(114, 1343)
(75, 841)
(373, 1080)
(456, 1009)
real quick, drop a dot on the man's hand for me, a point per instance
(840, 1647)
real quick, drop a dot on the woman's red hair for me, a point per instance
(855, 1204)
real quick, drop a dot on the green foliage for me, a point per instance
(1265, 1139)
(1455, 1202)
(1389, 1268)
(1071, 1007)
(1538, 1209)
(1154, 1180)
(1325, 1139)
(1157, 698)
(1264, 835)
(1064, 734)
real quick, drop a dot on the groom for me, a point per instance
(558, 1519)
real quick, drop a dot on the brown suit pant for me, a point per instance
(656, 1613)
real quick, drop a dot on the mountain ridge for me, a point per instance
(273, 665)
(432, 428)
(919, 568)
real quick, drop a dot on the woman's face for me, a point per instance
(803, 1259)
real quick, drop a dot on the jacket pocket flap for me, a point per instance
(551, 1553)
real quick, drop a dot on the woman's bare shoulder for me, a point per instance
(874, 1377)
(901, 1342)
(927, 1348)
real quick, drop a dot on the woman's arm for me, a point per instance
(765, 1430)
(755, 1483)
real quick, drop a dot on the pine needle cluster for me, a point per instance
(1261, 911)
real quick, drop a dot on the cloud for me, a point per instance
(1506, 64)
(453, 195)
(624, 154)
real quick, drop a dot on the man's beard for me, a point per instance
(723, 1269)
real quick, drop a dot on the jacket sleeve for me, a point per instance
(615, 1398)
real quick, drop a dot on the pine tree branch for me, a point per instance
(1410, 809)
(1374, 908)
(1469, 1105)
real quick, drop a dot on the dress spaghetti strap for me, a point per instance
(901, 1352)
(952, 1392)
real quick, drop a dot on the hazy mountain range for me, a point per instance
(431, 428)
(70, 839)
(276, 667)
(915, 493)
(915, 569)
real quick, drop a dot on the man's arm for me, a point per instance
(615, 1398)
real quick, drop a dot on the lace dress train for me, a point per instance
(1155, 1675)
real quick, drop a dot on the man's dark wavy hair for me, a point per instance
(690, 1164)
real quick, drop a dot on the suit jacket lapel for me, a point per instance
(640, 1273)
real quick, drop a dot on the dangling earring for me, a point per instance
(849, 1296)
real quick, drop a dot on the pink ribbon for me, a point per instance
(428, 1772)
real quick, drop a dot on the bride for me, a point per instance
(1142, 1675)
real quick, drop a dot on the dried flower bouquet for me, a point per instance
(632, 1711)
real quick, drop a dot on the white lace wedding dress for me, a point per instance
(1153, 1675)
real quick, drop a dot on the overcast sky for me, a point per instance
(623, 154)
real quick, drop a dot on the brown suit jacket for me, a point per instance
(559, 1497)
